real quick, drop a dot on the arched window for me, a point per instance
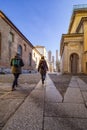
(20, 50)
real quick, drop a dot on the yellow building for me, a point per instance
(73, 46)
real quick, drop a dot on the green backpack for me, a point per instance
(16, 62)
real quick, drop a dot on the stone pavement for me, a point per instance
(45, 108)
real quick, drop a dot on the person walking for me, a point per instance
(42, 68)
(16, 65)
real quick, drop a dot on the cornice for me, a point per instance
(62, 43)
(9, 22)
(37, 51)
(76, 11)
(81, 23)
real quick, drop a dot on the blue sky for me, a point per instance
(41, 21)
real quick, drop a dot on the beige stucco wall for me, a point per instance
(77, 48)
(36, 58)
(76, 42)
(71, 45)
(85, 36)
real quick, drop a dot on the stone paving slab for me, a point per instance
(20, 92)
(66, 110)
(52, 94)
(37, 96)
(40, 85)
(10, 101)
(82, 85)
(30, 114)
(5, 87)
(73, 83)
(28, 117)
(84, 95)
(7, 108)
(71, 95)
(55, 123)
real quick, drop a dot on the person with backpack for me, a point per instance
(16, 64)
(42, 68)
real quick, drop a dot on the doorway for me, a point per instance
(74, 60)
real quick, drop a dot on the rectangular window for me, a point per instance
(11, 37)
(24, 47)
(9, 45)
(0, 45)
(30, 59)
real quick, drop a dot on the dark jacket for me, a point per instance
(44, 68)
(17, 69)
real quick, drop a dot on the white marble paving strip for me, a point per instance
(73, 95)
(52, 94)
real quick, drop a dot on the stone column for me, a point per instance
(66, 58)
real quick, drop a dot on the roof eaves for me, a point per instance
(6, 19)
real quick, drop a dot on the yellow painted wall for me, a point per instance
(77, 20)
(84, 63)
(85, 36)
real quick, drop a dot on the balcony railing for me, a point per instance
(80, 6)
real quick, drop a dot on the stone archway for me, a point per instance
(74, 63)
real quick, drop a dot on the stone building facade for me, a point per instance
(43, 52)
(12, 41)
(73, 46)
(50, 61)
